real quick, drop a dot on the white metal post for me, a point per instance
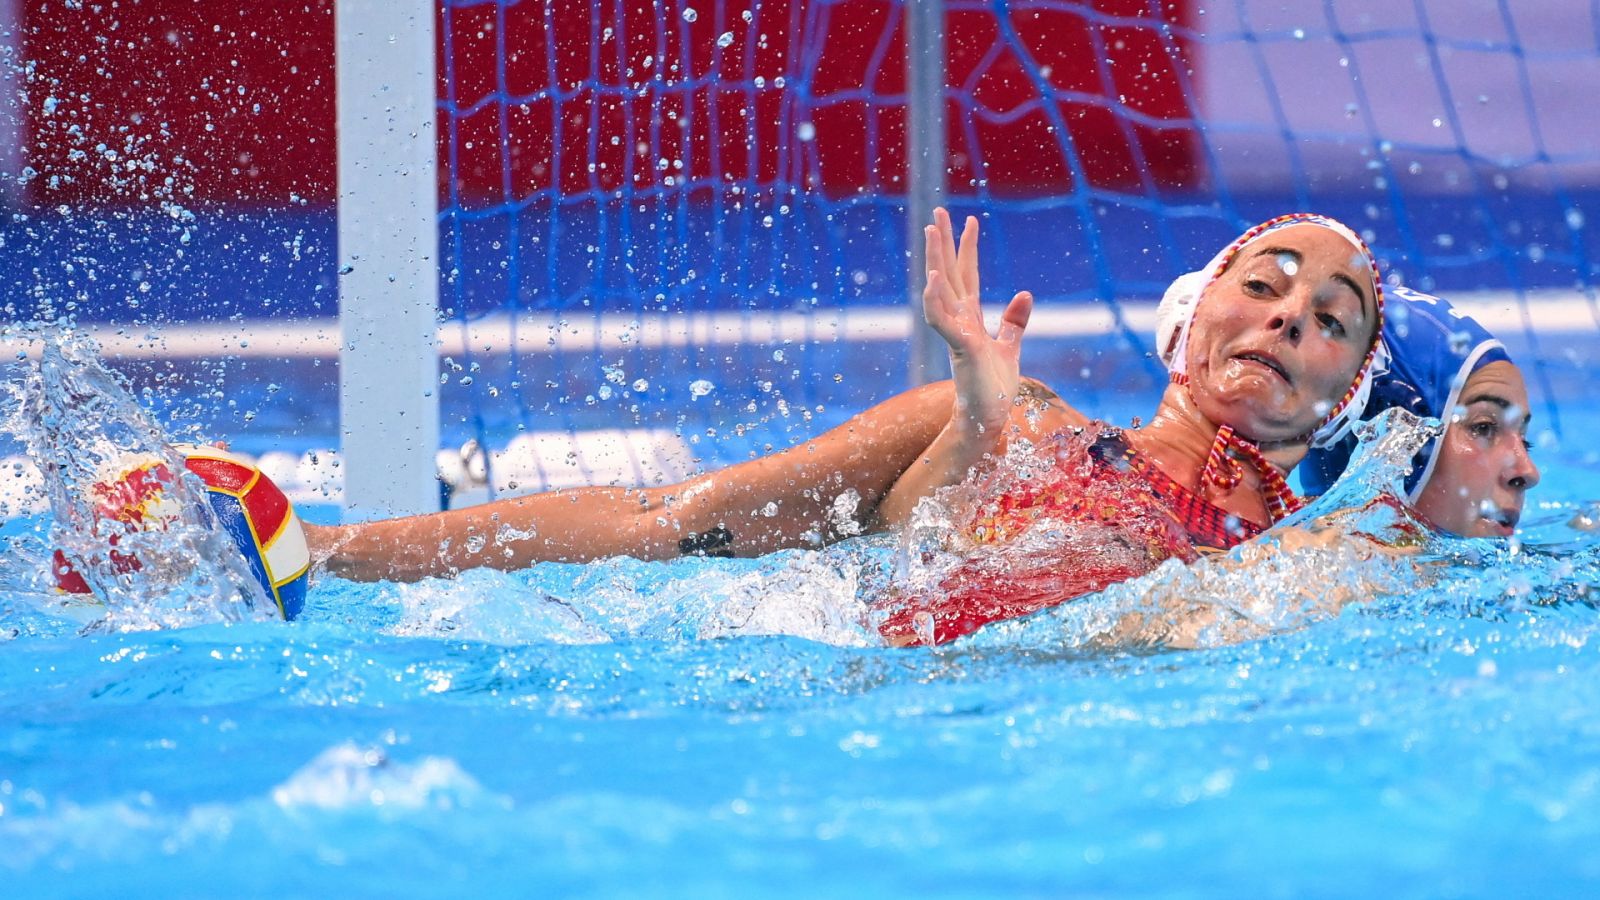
(926, 171)
(388, 247)
(13, 117)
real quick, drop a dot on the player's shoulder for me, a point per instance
(1044, 410)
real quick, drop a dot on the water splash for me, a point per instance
(81, 425)
(347, 776)
(828, 595)
(1339, 552)
(1358, 546)
(818, 595)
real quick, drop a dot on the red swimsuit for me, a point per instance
(1100, 515)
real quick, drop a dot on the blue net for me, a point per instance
(641, 224)
(687, 218)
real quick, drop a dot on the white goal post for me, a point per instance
(388, 256)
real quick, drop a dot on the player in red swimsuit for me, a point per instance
(1281, 349)
(1102, 514)
(1285, 315)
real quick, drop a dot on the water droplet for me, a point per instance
(690, 14)
(700, 387)
(725, 40)
(806, 131)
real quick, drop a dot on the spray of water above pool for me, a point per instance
(78, 420)
(83, 429)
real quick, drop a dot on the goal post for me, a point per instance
(388, 235)
(926, 173)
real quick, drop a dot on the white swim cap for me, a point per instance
(1176, 313)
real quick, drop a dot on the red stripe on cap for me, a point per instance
(67, 578)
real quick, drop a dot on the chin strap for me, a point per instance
(1223, 469)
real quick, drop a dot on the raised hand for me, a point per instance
(986, 369)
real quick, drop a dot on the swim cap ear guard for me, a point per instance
(1176, 313)
(1345, 416)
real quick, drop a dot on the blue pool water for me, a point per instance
(375, 748)
(727, 728)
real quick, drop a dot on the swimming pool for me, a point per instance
(723, 727)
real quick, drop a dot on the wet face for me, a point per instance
(1278, 339)
(1483, 471)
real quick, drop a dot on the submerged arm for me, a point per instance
(1281, 580)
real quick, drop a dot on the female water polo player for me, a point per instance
(1276, 352)
(1441, 358)
(861, 459)
(1471, 481)
(1474, 479)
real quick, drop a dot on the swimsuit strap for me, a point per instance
(1208, 525)
(1222, 467)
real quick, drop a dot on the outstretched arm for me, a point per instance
(789, 499)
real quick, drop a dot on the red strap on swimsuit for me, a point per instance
(1210, 527)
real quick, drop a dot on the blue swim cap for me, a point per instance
(1432, 351)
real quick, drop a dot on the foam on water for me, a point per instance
(818, 595)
